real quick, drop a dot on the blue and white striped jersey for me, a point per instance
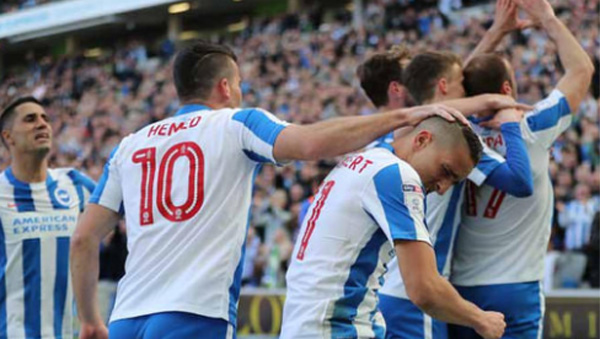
(503, 239)
(185, 184)
(37, 222)
(369, 200)
(443, 219)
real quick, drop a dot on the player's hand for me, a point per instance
(492, 326)
(503, 116)
(419, 113)
(506, 17)
(499, 101)
(538, 10)
(93, 331)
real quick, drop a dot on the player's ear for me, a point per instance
(6, 137)
(443, 86)
(422, 140)
(224, 89)
(506, 88)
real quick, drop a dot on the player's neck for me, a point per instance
(208, 103)
(30, 168)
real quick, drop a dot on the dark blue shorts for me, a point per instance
(522, 305)
(404, 320)
(171, 325)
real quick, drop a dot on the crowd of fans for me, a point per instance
(9, 6)
(301, 67)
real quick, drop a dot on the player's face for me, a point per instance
(455, 83)
(30, 130)
(441, 167)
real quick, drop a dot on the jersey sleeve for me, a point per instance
(108, 192)
(490, 160)
(84, 186)
(397, 204)
(547, 121)
(258, 130)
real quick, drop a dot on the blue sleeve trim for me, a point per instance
(549, 117)
(257, 157)
(514, 176)
(259, 124)
(388, 184)
(487, 164)
(95, 197)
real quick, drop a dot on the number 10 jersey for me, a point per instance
(185, 186)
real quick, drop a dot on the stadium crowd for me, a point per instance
(302, 68)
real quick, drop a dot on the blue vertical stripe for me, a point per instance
(388, 184)
(444, 235)
(61, 283)
(22, 193)
(32, 280)
(80, 179)
(3, 316)
(355, 288)
(234, 289)
(79, 189)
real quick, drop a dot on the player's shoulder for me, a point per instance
(72, 173)
(555, 100)
(386, 162)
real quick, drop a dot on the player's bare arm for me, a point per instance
(95, 223)
(577, 64)
(506, 20)
(486, 104)
(436, 297)
(343, 135)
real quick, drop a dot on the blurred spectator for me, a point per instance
(576, 218)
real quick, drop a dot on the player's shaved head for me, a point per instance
(199, 67)
(451, 135)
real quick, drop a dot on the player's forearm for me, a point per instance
(472, 105)
(443, 302)
(85, 271)
(572, 56)
(337, 136)
(491, 39)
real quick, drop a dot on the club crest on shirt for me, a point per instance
(63, 196)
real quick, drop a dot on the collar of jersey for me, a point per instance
(21, 184)
(192, 108)
(386, 146)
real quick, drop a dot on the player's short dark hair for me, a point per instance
(378, 71)
(485, 74)
(423, 72)
(474, 143)
(198, 68)
(7, 115)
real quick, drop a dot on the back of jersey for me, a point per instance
(503, 239)
(185, 184)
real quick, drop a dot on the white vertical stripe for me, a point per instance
(427, 327)
(542, 311)
(229, 334)
(48, 276)
(15, 302)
